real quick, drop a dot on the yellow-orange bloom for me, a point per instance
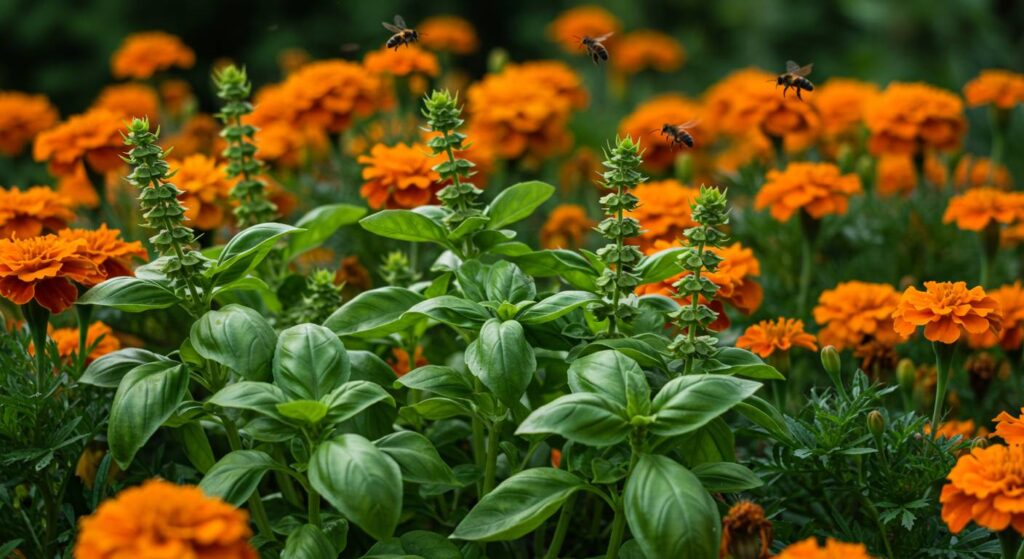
(957, 428)
(198, 135)
(400, 176)
(399, 360)
(161, 520)
(977, 208)
(176, 96)
(833, 549)
(27, 213)
(581, 167)
(93, 137)
(972, 171)
(353, 275)
(105, 248)
(99, 340)
(89, 464)
(854, 312)
(572, 25)
(986, 486)
(1001, 88)
(566, 227)
(646, 121)
(840, 103)
(816, 188)
(647, 49)
(745, 103)
(448, 34)
(944, 309)
(895, 174)
(768, 336)
(746, 530)
(205, 188)
(143, 54)
(22, 117)
(130, 100)
(328, 95)
(402, 62)
(42, 268)
(1011, 306)
(663, 211)
(907, 117)
(1009, 428)
(552, 74)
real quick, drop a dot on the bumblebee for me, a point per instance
(795, 77)
(402, 34)
(595, 47)
(678, 135)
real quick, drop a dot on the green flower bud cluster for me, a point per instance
(622, 161)
(694, 342)
(321, 297)
(158, 199)
(397, 270)
(233, 88)
(443, 116)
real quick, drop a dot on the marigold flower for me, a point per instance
(567, 227)
(205, 188)
(78, 190)
(663, 211)
(176, 96)
(856, 311)
(22, 117)
(1011, 306)
(400, 176)
(448, 34)
(328, 95)
(768, 336)
(130, 100)
(402, 62)
(162, 520)
(199, 135)
(93, 137)
(89, 465)
(745, 103)
(986, 486)
(105, 248)
(582, 167)
(42, 268)
(1001, 88)
(840, 103)
(99, 337)
(143, 54)
(833, 549)
(746, 533)
(957, 428)
(646, 121)
(572, 25)
(399, 360)
(27, 213)
(353, 274)
(907, 117)
(972, 171)
(978, 207)
(1009, 428)
(944, 309)
(816, 188)
(647, 49)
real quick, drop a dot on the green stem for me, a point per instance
(805, 274)
(1009, 542)
(691, 332)
(259, 513)
(314, 508)
(999, 119)
(619, 524)
(878, 523)
(616, 289)
(38, 318)
(479, 452)
(943, 359)
(493, 438)
(84, 313)
(561, 529)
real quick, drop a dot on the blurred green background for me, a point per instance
(62, 47)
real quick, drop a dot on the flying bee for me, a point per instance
(595, 47)
(678, 135)
(795, 77)
(402, 34)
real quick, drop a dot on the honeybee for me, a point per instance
(679, 134)
(402, 34)
(595, 47)
(795, 77)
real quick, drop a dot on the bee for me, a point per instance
(795, 77)
(679, 134)
(595, 47)
(402, 34)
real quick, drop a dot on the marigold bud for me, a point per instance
(876, 423)
(830, 360)
(906, 374)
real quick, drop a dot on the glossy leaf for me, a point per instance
(129, 294)
(502, 360)
(726, 477)
(309, 362)
(585, 418)
(417, 458)
(453, 311)
(518, 506)
(556, 306)
(235, 477)
(614, 376)
(308, 542)
(246, 250)
(517, 202)
(237, 337)
(351, 398)
(319, 224)
(687, 403)
(147, 396)
(405, 225)
(108, 370)
(375, 313)
(260, 397)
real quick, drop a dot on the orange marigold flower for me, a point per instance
(1009, 428)
(205, 188)
(895, 174)
(399, 360)
(199, 135)
(100, 340)
(130, 100)
(944, 309)
(176, 96)
(88, 465)
(581, 167)
(854, 312)
(1011, 306)
(353, 274)
(978, 207)
(328, 95)
(42, 268)
(402, 62)
(552, 74)
(746, 532)
(986, 486)
(965, 429)
(768, 336)
(907, 117)
(143, 54)
(286, 146)
(1001, 88)
(572, 25)
(646, 121)
(833, 549)
(745, 103)
(105, 248)
(22, 117)
(400, 176)
(27, 213)
(78, 190)
(448, 34)
(162, 520)
(566, 227)
(972, 171)
(93, 137)
(840, 103)
(816, 188)
(647, 49)
(663, 211)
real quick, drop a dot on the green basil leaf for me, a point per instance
(147, 396)
(726, 477)
(417, 458)
(517, 202)
(584, 418)
(614, 376)
(741, 363)
(108, 370)
(308, 542)
(502, 360)
(235, 477)
(351, 398)
(237, 337)
(436, 379)
(375, 313)
(319, 224)
(764, 415)
(556, 306)
(303, 411)
(405, 225)
(246, 250)
(196, 445)
(309, 362)
(519, 505)
(260, 397)
(687, 403)
(507, 282)
(129, 294)
(660, 265)
(453, 311)
(440, 408)
(563, 264)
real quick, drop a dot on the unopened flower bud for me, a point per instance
(906, 374)
(876, 423)
(830, 360)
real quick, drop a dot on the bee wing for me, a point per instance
(791, 67)
(400, 22)
(688, 124)
(391, 28)
(804, 70)
(603, 37)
